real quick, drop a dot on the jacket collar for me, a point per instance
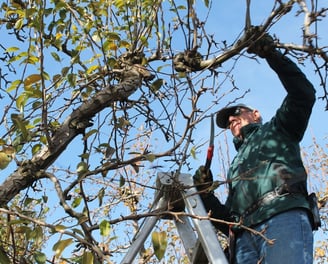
(245, 132)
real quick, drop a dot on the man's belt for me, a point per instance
(264, 200)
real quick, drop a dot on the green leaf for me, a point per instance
(3, 257)
(57, 78)
(59, 228)
(36, 104)
(78, 231)
(71, 78)
(193, 152)
(92, 69)
(29, 200)
(159, 68)
(43, 139)
(64, 71)
(87, 258)
(84, 155)
(61, 245)
(114, 36)
(38, 235)
(76, 202)
(112, 62)
(101, 195)
(124, 44)
(4, 161)
(122, 123)
(89, 133)
(181, 7)
(12, 49)
(82, 167)
(20, 124)
(104, 227)
(120, 3)
(18, 222)
(40, 257)
(144, 40)
(55, 56)
(159, 240)
(156, 85)
(32, 92)
(36, 148)
(19, 23)
(150, 157)
(122, 181)
(14, 85)
(109, 45)
(33, 78)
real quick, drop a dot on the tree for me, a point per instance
(100, 96)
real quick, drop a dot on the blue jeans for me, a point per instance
(293, 241)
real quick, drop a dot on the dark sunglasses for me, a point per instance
(238, 111)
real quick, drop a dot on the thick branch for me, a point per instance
(76, 122)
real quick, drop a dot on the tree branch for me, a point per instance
(74, 125)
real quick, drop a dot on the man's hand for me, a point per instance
(263, 47)
(203, 179)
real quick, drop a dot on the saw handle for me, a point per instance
(209, 157)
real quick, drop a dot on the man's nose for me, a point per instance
(231, 119)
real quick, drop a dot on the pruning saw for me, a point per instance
(210, 146)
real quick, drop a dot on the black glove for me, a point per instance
(203, 180)
(263, 46)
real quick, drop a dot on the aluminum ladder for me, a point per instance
(199, 239)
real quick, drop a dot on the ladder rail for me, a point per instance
(142, 234)
(205, 229)
(187, 235)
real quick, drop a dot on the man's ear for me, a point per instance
(257, 116)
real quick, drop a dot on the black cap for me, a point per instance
(223, 115)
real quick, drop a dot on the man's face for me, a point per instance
(242, 117)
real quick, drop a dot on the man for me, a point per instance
(267, 180)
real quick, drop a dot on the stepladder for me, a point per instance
(176, 192)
